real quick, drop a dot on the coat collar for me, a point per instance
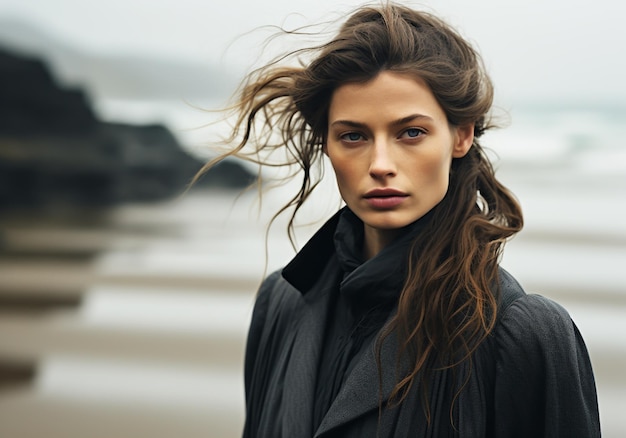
(314, 271)
(307, 267)
(386, 271)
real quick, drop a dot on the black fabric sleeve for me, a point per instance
(257, 323)
(544, 385)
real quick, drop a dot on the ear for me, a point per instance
(325, 148)
(463, 139)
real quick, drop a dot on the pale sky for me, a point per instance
(563, 50)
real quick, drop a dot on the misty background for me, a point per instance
(124, 304)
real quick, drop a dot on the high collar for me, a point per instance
(379, 278)
(307, 266)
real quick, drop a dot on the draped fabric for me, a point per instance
(310, 368)
(359, 306)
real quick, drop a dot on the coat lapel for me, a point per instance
(315, 273)
(360, 393)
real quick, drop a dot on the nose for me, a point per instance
(382, 164)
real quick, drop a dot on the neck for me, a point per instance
(375, 240)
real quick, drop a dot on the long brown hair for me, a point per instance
(448, 304)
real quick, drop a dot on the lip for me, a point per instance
(384, 193)
(385, 198)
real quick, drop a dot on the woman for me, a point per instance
(395, 320)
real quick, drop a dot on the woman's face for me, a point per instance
(391, 147)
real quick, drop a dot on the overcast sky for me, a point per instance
(564, 50)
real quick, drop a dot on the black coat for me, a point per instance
(531, 378)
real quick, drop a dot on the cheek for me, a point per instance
(429, 174)
(345, 174)
(342, 176)
(426, 166)
(442, 177)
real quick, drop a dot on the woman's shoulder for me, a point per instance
(274, 306)
(276, 292)
(531, 323)
(532, 320)
(271, 282)
(544, 384)
(277, 300)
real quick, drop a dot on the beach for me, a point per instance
(142, 316)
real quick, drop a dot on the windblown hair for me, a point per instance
(448, 304)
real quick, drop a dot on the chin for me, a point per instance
(388, 220)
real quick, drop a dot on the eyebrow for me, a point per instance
(401, 121)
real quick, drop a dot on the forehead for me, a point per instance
(388, 95)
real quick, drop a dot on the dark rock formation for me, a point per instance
(31, 103)
(54, 151)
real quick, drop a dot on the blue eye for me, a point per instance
(413, 132)
(352, 136)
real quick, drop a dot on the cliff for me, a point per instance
(55, 151)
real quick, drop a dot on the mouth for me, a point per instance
(384, 199)
(384, 193)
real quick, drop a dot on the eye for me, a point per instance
(352, 137)
(412, 133)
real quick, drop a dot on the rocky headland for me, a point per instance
(55, 152)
